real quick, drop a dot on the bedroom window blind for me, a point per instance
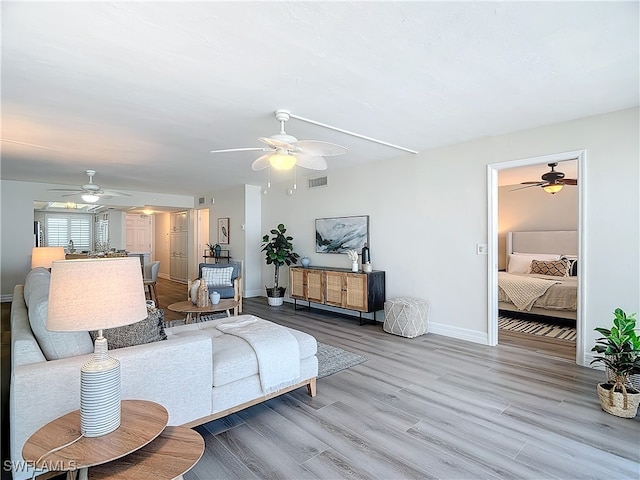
(60, 228)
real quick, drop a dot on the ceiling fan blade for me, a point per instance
(312, 162)
(533, 183)
(527, 186)
(248, 149)
(276, 143)
(112, 193)
(64, 190)
(261, 162)
(317, 148)
(569, 181)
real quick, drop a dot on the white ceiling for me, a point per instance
(141, 92)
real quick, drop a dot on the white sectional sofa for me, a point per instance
(198, 373)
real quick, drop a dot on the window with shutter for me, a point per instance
(60, 228)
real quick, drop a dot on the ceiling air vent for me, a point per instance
(201, 201)
(317, 182)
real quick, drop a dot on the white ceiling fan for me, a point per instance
(90, 192)
(285, 151)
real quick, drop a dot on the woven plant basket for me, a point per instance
(275, 301)
(617, 409)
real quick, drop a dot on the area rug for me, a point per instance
(333, 359)
(563, 330)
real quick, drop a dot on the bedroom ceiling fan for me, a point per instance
(90, 192)
(551, 182)
(284, 151)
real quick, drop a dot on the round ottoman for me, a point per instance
(406, 316)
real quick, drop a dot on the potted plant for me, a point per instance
(214, 250)
(278, 251)
(619, 350)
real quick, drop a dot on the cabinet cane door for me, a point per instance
(355, 291)
(334, 285)
(314, 286)
(296, 283)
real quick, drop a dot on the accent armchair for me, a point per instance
(226, 279)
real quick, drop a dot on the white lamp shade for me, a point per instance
(94, 294)
(43, 256)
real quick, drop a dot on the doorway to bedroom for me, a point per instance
(518, 207)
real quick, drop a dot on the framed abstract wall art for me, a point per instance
(339, 234)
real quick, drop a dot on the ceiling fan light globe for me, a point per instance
(90, 198)
(553, 188)
(281, 161)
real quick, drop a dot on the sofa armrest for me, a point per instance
(176, 373)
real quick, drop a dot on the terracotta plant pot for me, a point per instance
(615, 404)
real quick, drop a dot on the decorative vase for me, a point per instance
(617, 404)
(203, 295)
(366, 267)
(215, 298)
(305, 261)
(354, 266)
(217, 250)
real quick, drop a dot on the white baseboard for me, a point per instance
(459, 333)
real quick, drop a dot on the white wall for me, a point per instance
(428, 212)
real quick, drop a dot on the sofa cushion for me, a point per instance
(145, 331)
(233, 358)
(35, 278)
(54, 345)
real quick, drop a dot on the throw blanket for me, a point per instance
(276, 348)
(523, 291)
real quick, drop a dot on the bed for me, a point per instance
(541, 275)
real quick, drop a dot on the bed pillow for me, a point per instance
(521, 262)
(557, 268)
(572, 265)
(217, 277)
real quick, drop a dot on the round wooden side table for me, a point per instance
(187, 307)
(140, 438)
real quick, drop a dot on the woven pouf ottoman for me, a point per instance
(406, 316)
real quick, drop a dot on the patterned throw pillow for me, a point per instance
(217, 277)
(557, 268)
(145, 331)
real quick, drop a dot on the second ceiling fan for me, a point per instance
(551, 182)
(284, 151)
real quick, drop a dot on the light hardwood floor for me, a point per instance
(429, 407)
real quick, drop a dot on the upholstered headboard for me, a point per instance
(564, 242)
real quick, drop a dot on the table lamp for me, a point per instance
(43, 256)
(95, 294)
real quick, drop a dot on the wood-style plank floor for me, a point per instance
(429, 407)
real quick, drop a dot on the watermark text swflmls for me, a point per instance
(50, 465)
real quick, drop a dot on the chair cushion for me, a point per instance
(217, 277)
(236, 268)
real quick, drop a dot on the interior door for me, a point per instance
(139, 233)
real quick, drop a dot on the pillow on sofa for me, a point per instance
(145, 331)
(35, 278)
(54, 345)
(217, 277)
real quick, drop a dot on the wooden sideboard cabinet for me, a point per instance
(359, 291)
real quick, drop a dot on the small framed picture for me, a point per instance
(223, 231)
